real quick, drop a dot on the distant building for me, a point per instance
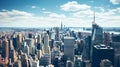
(30, 35)
(57, 38)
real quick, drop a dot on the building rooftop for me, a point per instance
(102, 46)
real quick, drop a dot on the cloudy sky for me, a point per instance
(50, 13)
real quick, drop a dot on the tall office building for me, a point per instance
(5, 50)
(39, 39)
(46, 48)
(30, 43)
(30, 35)
(69, 47)
(57, 34)
(24, 60)
(116, 45)
(86, 48)
(61, 26)
(14, 42)
(19, 40)
(17, 64)
(13, 56)
(35, 63)
(96, 37)
(45, 60)
(97, 34)
(117, 60)
(107, 38)
(101, 52)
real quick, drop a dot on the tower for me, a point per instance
(46, 48)
(39, 39)
(96, 36)
(19, 40)
(5, 48)
(61, 25)
(57, 34)
(69, 47)
(101, 52)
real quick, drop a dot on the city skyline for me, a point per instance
(72, 13)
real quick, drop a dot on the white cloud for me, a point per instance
(16, 18)
(115, 1)
(33, 7)
(43, 9)
(55, 15)
(47, 12)
(74, 6)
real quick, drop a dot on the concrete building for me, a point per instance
(69, 47)
(106, 63)
(101, 52)
(46, 47)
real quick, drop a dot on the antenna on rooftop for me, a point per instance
(93, 13)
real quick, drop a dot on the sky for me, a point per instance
(51, 13)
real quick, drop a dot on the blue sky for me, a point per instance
(50, 13)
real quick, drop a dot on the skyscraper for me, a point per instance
(46, 48)
(101, 52)
(107, 38)
(96, 37)
(5, 53)
(57, 34)
(86, 48)
(69, 47)
(97, 34)
(19, 40)
(39, 39)
(116, 45)
(61, 25)
(45, 60)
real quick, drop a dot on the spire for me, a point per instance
(61, 25)
(93, 15)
